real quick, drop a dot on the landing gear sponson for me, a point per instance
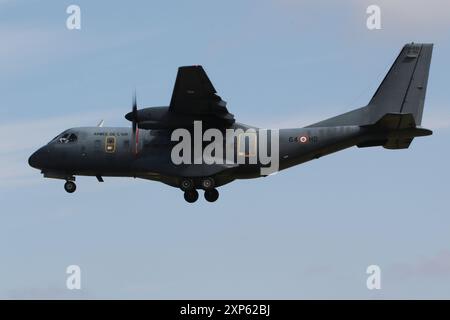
(191, 194)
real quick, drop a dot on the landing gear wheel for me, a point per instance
(70, 186)
(211, 195)
(208, 183)
(191, 195)
(186, 184)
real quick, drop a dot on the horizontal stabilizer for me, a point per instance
(395, 121)
(397, 131)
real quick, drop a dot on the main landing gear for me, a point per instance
(191, 194)
(211, 195)
(70, 186)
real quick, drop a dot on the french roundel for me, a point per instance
(303, 139)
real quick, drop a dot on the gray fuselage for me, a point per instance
(109, 151)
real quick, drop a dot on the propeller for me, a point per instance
(135, 122)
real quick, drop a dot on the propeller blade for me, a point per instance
(136, 141)
(135, 123)
(134, 105)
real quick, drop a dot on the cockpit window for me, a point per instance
(68, 138)
(64, 138)
(73, 137)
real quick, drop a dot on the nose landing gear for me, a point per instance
(70, 186)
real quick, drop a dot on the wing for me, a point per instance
(194, 94)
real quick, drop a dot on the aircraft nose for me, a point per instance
(36, 158)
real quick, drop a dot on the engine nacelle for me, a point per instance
(164, 118)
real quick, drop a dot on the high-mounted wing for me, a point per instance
(195, 95)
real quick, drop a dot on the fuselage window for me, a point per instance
(110, 144)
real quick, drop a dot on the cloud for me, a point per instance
(434, 266)
(397, 17)
(414, 13)
(24, 47)
(436, 121)
(47, 293)
(413, 20)
(319, 270)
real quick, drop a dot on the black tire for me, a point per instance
(186, 184)
(208, 183)
(211, 195)
(191, 196)
(70, 186)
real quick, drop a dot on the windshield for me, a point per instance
(65, 137)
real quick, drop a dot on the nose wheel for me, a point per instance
(70, 186)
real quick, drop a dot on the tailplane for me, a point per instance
(394, 131)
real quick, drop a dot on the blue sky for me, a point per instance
(307, 232)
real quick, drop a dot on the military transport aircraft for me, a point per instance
(391, 119)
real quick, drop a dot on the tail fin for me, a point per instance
(402, 90)
(404, 87)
